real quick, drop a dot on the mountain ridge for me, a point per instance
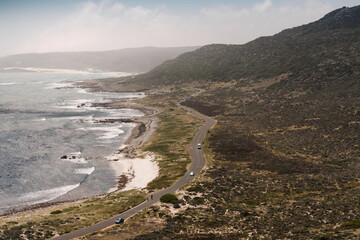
(134, 60)
(287, 51)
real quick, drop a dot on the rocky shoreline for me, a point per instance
(141, 133)
(144, 129)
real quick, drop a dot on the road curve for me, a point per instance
(197, 163)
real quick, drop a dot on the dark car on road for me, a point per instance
(119, 220)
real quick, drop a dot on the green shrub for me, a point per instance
(212, 224)
(351, 225)
(169, 198)
(196, 189)
(56, 212)
(198, 201)
(250, 202)
(320, 237)
(12, 222)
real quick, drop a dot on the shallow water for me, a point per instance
(42, 119)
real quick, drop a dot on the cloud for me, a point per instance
(262, 7)
(236, 25)
(113, 25)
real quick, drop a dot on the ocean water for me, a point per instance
(42, 119)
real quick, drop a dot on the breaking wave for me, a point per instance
(41, 196)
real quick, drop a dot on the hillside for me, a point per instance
(290, 51)
(134, 60)
(286, 146)
(284, 156)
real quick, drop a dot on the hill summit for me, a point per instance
(341, 18)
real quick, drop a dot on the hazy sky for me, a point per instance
(70, 25)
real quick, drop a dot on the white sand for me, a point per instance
(140, 171)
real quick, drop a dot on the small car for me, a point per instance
(119, 220)
(199, 146)
(192, 174)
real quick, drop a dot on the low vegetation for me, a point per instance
(149, 220)
(174, 133)
(169, 198)
(67, 218)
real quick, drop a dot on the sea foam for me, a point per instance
(76, 160)
(40, 196)
(87, 171)
(108, 132)
(7, 84)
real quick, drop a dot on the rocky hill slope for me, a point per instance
(286, 146)
(333, 40)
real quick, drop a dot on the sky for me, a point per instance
(29, 26)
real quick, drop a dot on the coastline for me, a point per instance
(132, 172)
(134, 169)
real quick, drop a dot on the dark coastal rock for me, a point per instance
(141, 130)
(63, 157)
(126, 120)
(122, 181)
(81, 105)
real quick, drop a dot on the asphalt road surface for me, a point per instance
(198, 162)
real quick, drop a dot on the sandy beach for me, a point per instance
(135, 169)
(134, 173)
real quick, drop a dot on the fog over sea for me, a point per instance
(43, 118)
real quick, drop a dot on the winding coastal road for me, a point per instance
(197, 163)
